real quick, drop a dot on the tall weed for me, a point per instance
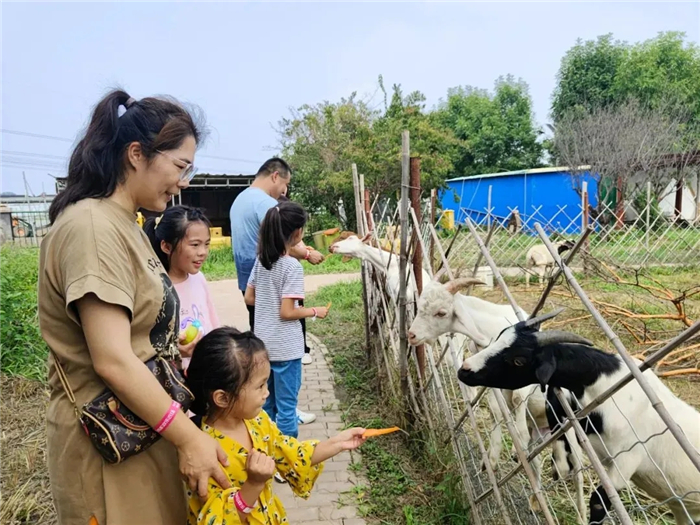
(23, 350)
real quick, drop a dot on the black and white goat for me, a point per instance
(643, 452)
(441, 310)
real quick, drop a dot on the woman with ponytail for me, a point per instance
(275, 287)
(106, 306)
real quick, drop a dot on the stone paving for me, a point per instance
(327, 504)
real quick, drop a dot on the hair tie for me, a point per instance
(277, 208)
(157, 221)
(129, 102)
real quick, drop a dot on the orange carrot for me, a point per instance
(372, 432)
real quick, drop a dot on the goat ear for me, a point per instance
(367, 237)
(456, 285)
(546, 366)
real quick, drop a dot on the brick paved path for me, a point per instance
(327, 504)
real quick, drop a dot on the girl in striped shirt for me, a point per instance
(275, 287)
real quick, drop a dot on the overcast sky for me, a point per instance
(246, 64)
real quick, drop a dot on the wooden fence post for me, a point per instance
(433, 205)
(418, 252)
(403, 263)
(363, 269)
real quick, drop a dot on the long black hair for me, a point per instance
(224, 359)
(276, 230)
(98, 162)
(171, 227)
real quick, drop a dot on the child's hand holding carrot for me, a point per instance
(322, 311)
(350, 439)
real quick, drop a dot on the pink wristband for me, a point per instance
(241, 505)
(168, 417)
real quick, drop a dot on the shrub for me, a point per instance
(23, 350)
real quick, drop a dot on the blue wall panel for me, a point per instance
(549, 198)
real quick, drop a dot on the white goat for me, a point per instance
(627, 434)
(386, 262)
(442, 310)
(539, 260)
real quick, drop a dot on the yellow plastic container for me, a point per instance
(219, 241)
(216, 232)
(448, 220)
(318, 238)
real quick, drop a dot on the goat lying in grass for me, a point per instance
(539, 260)
(643, 452)
(442, 310)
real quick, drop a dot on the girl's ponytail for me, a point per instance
(276, 230)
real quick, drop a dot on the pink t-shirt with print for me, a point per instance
(196, 304)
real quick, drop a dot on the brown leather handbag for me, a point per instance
(115, 431)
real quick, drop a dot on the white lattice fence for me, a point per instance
(450, 413)
(645, 238)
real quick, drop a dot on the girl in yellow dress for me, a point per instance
(228, 376)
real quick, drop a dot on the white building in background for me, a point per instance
(690, 200)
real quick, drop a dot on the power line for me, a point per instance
(35, 135)
(28, 154)
(63, 139)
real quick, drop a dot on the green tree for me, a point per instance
(662, 69)
(321, 142)
(603, 72)
(497, 132)
(586, 78)
(437, 147)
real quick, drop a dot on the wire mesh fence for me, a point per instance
(516, 468)
(28, 228)
(635, 234)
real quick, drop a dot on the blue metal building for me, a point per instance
(550, 196)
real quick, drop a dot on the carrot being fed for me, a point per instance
(373, 432)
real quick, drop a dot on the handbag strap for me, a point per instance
(66, 385)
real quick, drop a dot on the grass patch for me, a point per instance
(25, 479)
(219, 265)
(24, 352)
(407, 484)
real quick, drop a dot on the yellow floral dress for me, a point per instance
(293, 459)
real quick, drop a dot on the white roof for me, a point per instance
(533, 171)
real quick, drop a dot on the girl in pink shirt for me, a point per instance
(180, 237)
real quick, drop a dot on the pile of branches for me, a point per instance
(682, 361)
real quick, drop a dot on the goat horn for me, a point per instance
(456, 285)
(542, 318)
(557, 336)
(439, 274)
